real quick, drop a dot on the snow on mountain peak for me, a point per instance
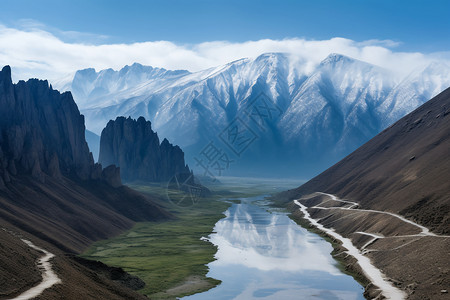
(323, 114)
(335, 58)
(414, 90)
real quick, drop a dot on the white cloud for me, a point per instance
(35, 52)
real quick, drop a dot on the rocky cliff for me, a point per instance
(42, 132)
(135, 148)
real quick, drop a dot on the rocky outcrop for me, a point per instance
(133, 146)
(41, 133)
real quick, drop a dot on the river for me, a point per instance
(263, 254)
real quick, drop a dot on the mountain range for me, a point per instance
(311, 119)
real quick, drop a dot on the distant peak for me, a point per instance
(109, 70)
(138, 67)
(334, 58)
(86, 72)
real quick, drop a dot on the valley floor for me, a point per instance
(168, 256)
(171, 256)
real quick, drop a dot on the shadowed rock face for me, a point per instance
(134, 147)
(41, 131)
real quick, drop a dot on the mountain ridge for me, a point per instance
(348, 101)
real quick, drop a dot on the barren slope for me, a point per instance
(404, 170)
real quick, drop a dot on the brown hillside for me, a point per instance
(405, 169)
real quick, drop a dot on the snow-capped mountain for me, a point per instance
(338, 103)
(262, 116)
(96, 88)
(417, 88)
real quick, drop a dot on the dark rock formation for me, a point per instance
(53, 194)
(41, 132)
(134, 147)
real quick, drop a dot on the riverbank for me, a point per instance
(263, 253)
(345, 263)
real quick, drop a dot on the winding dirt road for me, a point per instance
(373, 274)
(49, 278)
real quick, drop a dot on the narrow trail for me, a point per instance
(425, 231)
(49, 278)
(375, 237)
(372, 273)
(334, 198)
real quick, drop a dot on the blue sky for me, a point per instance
(419, 25)
(54, 38)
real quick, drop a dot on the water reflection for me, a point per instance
(264, 255)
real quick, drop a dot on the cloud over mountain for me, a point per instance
(37, 52)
